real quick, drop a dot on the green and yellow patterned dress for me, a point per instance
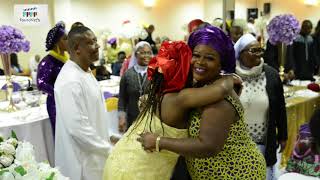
(239, 159)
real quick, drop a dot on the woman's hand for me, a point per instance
(282, 145)
(122, 124)
(237, 83)
(114, 139)
(148, 141)
(237, 80)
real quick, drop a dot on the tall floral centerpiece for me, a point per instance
(282, 30)
(12, 40)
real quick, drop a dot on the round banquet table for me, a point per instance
(32, 125)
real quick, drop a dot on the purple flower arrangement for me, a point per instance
(283, 29)
(12, 40)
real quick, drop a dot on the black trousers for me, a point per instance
(180, 171)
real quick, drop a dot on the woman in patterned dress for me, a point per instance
(219, 146)
(165, 112)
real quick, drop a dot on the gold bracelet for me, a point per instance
(157, 144)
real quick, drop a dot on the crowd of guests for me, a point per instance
(194, 121)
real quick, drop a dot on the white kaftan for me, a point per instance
(82, 140)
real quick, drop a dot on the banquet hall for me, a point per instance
(76, 78)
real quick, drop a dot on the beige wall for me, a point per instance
(109, 14)
(35, 34)
(295, 7)
(241, 7)
(212, 10)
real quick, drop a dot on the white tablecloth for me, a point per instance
(111, 85)
(31, 125)
(21, 80)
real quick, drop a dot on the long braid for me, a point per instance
(154, 100)
(161, 98)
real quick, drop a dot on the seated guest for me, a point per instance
(305, 158)
(15, 66)
(116, 67)
(102, 73)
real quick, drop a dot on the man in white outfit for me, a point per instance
(82, 141)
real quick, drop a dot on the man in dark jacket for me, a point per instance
(304, 58)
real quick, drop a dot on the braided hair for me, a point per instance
(168, 72)
(152, 104)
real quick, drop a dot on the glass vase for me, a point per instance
(7, 71)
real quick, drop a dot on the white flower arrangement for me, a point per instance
(17, 162)
(132, 30)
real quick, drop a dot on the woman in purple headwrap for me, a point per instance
(219, 146)
(164, 111)
(50, 66)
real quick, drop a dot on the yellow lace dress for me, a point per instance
(128, 160)
(239, 159)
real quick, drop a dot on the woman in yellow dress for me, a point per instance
(165, 112)
(219, 146)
